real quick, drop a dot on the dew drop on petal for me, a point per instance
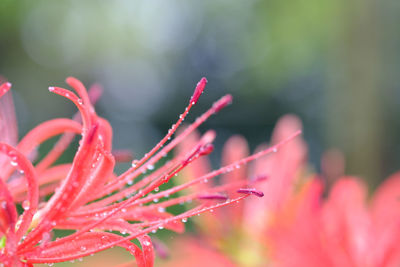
(26, 204)
(161, 209)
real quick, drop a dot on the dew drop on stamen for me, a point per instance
(150, 167)
(134, 163)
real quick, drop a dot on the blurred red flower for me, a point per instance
(236, 236)
(342, 230)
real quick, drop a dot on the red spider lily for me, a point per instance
(236, 236)
(86, 195)
(343, 230)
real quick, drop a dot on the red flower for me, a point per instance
(86, 195)
(343, 230)
(236, 236)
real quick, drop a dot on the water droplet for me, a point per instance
(155, 200)
(274, 149)
(161, 209)
(26, 204)
(156, 189)
(83, 248)
(160, 227)
(184, 220)
(150, 167)
(135, 163)
(13, 163)
(205, 180)
(146, 243)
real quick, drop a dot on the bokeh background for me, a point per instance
(334, 63)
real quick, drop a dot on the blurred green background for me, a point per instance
(334, 63)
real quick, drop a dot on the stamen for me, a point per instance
(198, 91)
(206, 150)
(251, 191)
(213, 197)
(223, 102)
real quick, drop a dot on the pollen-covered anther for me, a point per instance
(198, 91)
(250, 191)
(213, 197)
